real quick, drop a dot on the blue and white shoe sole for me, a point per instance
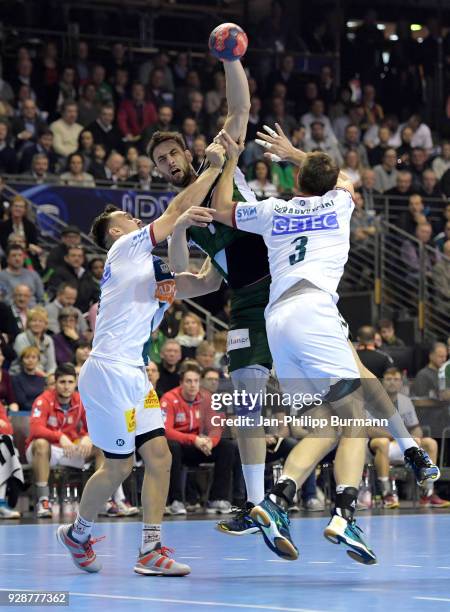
(358, 553)
(431, 478)
(280, 545)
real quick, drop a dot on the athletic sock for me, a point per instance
(283, 492)
(42, 490)
(254, 481)
(346, 500)
(151, 537)
(385, 485)
(119, 494)
(81, 529)
(427, 489)
(398, 429)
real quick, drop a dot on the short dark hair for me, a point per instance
(14, 247)
(208, 370)
(160, 137)
(65, 369)
(383, 323)
(318, 174)
(391, 372)
(366, 333)
(189, 365)
(100, 226)
(63, 286)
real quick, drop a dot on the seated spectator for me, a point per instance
(58, 435)
(164, 123)
(136, 114)
(199, 152)
(386, 172)
(15, 274)
(18, 223)
(39, 171)
(387, 332)
(86, 148)
(415, 215)
(112, 172)
(152, 373)
(215, 96)
(171, 323)
(421, 133)
(20, 306)
(441, 163)
(44, 146)
(82, 352)
(70, 236)
(367, 189)
(354, 116)
(372, 358)
(352, 142)
(352, 167)
(362, 226)
(430, 187)
(104, 131)
(318, 142)
(189, 131)
(279, 115)
(376, 153)
(66, 130)
(32, 260)
(193, 440)
(74, 272)
(210, 380)
(28, 125)
(403, 189)
(190, 335)
(35, 336)
(417, 166)
(161, 61)
(88, 108)
(410, 253)
(66, 89)
(7, 395)
(440, 240)
(96, 268)
(103, 89)
(195, 110)
(156, 92)
(386, 450)
(75, 176)
(441, 280)
(68, 339)
(373, 112)
(120, 85)
(8, 157)
(169, 377)
(426, 382)
(317, 113)
(404, 150)
(261, 184)
(131, 158)
(10, 467)
(28, 383)
(205, 354)
(142, 179)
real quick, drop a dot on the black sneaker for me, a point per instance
(241, 523)
(422, 466)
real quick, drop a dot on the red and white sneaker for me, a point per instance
(83, 555)
(126, 509)
(43, 508)
(158, 563)
(433, 501)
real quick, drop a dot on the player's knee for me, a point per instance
(118, 469)
(429, 444)
(41, 447)
(381, 445)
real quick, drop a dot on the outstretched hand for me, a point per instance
(277, 144)
(215, 154)
(232, 149)
(197, 216)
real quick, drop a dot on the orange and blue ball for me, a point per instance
(228, 42)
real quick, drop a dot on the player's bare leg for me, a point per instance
(153, 558)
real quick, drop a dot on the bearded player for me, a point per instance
(122, 409)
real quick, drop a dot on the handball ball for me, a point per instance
(228, 42)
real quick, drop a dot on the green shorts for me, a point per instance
(247, 339)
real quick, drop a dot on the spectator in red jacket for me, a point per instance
(58, 434)
(10, 467)
(136, 114)
(193, 440)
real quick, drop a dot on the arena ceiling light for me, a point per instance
(415, 27)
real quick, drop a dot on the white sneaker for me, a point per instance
(44, 508)
(126, 509)
(177, 508)
(8, 513)
(219, 506)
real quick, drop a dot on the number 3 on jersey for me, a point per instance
(300, 250)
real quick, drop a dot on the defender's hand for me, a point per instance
(276, 143)
(215, 154)
(197, 216)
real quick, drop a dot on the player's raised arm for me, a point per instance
(238, 99)
(222, 201)
(196, 216)
(192, 285)
(193, 194)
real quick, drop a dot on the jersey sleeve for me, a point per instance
(254, 217)
(138, 243)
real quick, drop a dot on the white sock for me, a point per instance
(397, 428)
(385, 485)
(427, 489)
(151, 537)
(81, 529)
(254, 481)
(118, 494)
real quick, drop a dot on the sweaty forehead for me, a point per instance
(165, 147)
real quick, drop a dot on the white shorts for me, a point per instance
(395, 453)
(120, 404)
(57, 457)
(309, 343)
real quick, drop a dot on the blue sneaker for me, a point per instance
(240, 524)
(274, 522)
(339, 530)
(422, 466)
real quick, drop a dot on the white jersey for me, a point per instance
(127, 302)
(306, 238)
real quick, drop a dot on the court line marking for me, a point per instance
(182, 601)
(276, 561)
(406, 565)
(320, 562)
(432, 598)
(235, 559)
(191, 557)
(443, 567)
